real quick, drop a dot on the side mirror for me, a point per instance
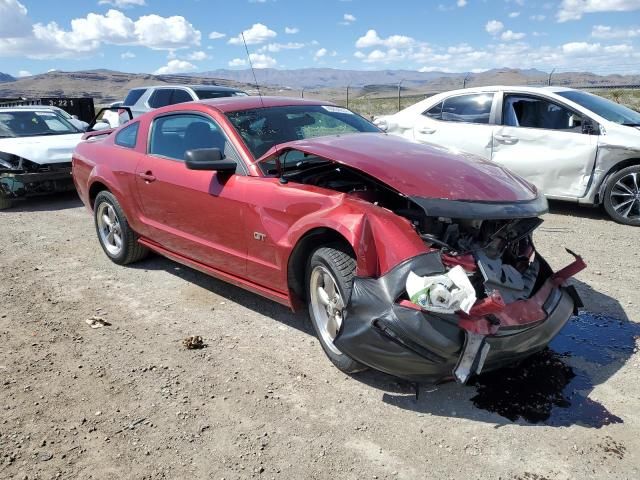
(381, 123)
(589, 127)
(99, 126)
(210, 159)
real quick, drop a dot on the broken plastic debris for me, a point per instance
(194, 342)
(97, 322)
(446, 293)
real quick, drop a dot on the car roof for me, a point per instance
(29, 108)
(219, 88)
(233, 104)
(520, 88)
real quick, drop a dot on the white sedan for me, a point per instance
(571, 144)
(36, 144)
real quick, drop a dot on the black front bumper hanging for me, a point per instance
(427, 347)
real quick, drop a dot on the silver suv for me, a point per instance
(143, 99)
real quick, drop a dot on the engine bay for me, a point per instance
(502, 250)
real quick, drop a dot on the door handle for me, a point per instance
(506, 139)
(426, 130)
(147, 177)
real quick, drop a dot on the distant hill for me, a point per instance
(321, 78)
(5, 77)
(105, 86)
(328, 77)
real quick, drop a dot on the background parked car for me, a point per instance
(143, 99)
(571, 144)
(35, 152)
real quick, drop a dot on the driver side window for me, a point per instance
(173, 135)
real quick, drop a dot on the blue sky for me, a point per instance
(168, 36)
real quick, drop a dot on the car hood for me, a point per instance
(42, 150)
(418, 170)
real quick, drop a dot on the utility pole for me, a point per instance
(302, 93)
(549, 80)
(399, 89)
(348, 86)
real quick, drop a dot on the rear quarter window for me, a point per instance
(160, 98)
(133, 96)
(128, 137)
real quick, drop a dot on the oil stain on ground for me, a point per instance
(546, 389)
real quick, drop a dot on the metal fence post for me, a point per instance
(399, 89)
(464, 82)
(549, 80)
(348, 86)
(302, 93)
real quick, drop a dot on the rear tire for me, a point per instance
(116, 237)
(329, 279)
(622, 196)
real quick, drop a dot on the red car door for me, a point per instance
(197, 214)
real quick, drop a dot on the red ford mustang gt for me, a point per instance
(413, 260)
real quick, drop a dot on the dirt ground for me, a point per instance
(128, 400)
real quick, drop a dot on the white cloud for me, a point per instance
(372, 39)
(321, 53)
(578, 49)
(514, 14)
(197, 56)
(462, 48)
(89, 33)
(258, 33)
(574, 9)
(461, 3)
(161, 33)
(277, 47)
(537, 18)
(24, 73)
(493, 27)
(123, 3)
(291, 30)
(348, 19)
(510, 35)
(13, 19)
(260, 60)
(237, 62)
(618, 49)
(175, 66)
(605, 31)
(359, 54)
(216, 35)
(126, 55)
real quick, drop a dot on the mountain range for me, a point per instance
(106, 86)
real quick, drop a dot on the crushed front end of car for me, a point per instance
(20, 177)
(509, 306)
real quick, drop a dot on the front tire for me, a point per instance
(622, 196)
(329, 280)
(116, 237)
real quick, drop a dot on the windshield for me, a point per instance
(612, 111)
(204, 94)
(33, 124)
(262, 128)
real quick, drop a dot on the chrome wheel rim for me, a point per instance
(326, 305)
(625, 196)
(109, 229)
